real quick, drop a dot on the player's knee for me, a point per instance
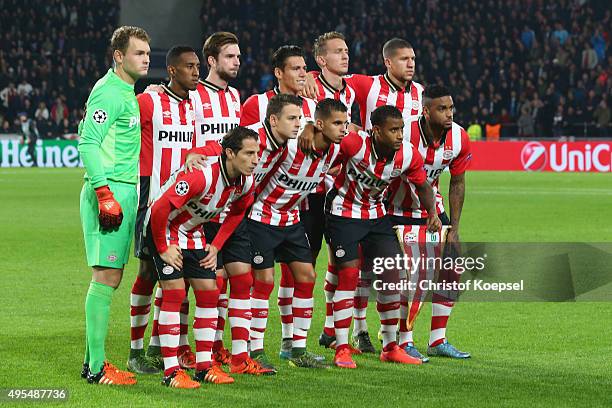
(264, 275)
(107, 276)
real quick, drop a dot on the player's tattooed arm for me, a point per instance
(456, 196)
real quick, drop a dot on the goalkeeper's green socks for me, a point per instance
(97, 313)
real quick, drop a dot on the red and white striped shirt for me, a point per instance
(294, 177)
(453, 152)
(359, 188)
(254, 109)
(167, 122)
(217, 111)
(191, 199)
(346, 94)
(374, 91)
(270, 151)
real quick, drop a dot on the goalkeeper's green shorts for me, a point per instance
(109, 249)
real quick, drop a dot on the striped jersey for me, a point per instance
(346, 94)
(217, 111)
(294, 177)
(167, 123)
(196, 198)
(374, 91)
(359, 188)
(452, 152)
(270, 151)
(254, 109)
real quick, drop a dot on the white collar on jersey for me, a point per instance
(173, 94)
(377, 157)
(273, 141)
(224, 175)
(212, 86)
(329, 86)
(421, 120)
(395, 87)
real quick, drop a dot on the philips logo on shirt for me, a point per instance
(297, 184)
(134, 120)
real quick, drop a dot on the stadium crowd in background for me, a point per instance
(51, 59)
(537, 68)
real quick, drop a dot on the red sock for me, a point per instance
(259, 311)
(140, 308)
(388, 310)
(169, 327)
(204, 326)
(239, 315)
(441, 309)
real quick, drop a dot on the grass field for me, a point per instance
(524, 354)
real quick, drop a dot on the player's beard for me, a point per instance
(226, 76)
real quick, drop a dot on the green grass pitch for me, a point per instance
(524, 354)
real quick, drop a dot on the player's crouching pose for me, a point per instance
(176, 241)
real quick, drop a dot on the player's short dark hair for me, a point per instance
(394, 44)
(433, 92)
(175, 52)
(121, 37)
(278, 102)
(233, 139)
(384, 112)
(280, 56)
(214, 43)
(321, 41)
(327, 106)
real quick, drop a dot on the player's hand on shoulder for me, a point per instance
(210, 260)
(311, 90)
(306, 139)
(173, 257)
(195, 161)
(154, 88)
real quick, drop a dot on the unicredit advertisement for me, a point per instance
(543, 156)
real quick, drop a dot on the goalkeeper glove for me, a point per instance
(110, 211)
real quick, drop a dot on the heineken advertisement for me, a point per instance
(49, 153)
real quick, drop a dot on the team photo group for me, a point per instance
(212, 193)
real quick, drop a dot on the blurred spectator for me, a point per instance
(602, 117)
(30, 135)
(59, 111)
(42, 113)
(526, 125)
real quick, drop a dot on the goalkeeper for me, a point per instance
(109, 146)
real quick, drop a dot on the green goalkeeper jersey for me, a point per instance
(109, 132)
